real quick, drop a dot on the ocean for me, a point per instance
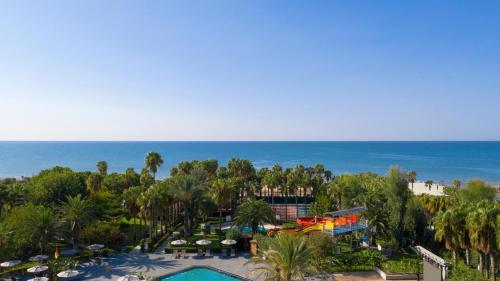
(438, 161)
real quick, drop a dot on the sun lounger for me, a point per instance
(175, 254)
(184, 253)
(207, 253)
(200, 252)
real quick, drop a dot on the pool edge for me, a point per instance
(202, 266)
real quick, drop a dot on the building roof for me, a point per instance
(345, 212)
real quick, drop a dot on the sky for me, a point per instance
(249, 70)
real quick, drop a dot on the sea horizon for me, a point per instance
(432, 160)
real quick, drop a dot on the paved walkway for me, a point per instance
(156, 265)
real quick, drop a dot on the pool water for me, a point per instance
(248, 229)
(200, 274)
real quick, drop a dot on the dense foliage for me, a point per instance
(62, 207)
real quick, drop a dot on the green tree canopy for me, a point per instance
(52, 186)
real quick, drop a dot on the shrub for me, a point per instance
(464, 273)
(322, 244)
(104, 233)
(402, 266)
(353, 261)
(233, 233)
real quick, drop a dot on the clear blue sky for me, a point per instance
(249, 70)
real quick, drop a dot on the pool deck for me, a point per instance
(157, 265)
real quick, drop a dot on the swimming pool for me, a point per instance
(200, 274)
(248, 229)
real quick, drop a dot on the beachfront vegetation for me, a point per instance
(63, 208)
(285, 257)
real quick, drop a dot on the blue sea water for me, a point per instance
(199, 274)
(438, 161)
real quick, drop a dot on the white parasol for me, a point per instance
(228, 242)
(203, 242)
(37, 269)
(68, 273)
(95, 247)
(39, 279)
(10, 263)
(178, 242)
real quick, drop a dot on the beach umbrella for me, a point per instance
(68, 273)
(128, 278)
(39, 258)
(228, 242)
(37, 269)
(39, 279)
(10, 263)
(95, 247)
(203, 242)
(178, 242)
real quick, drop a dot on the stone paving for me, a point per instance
(156, 265)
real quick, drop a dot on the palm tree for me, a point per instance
(185, 188)
(221, 195)
(130, 197)
(336, 188)
(482, 225)
(102, 167)
(153, 162)
(93, 182)
(461, 229)
(444, 224)
(254, 213)
(286, 258)
(76, 212)
(456, 183)
(286, 187)
(45, 227)
(429, 183)
(412, 177)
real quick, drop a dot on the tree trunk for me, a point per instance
(286, 206)
(455, 254)
(492, 266)
(135, 229)
(186, 223)
(296, 206)
(467, 256)
(220, 221)
(481, 263)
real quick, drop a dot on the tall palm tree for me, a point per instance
(76, 213)
(337, 188)
(185, 188)
(286, 258)
(429, 183)
(254, 213)
(412, 177)
(460, 228)
(45, 225)
(93, 182)
(102, 167)
(482, 225)
(153, 162)
(130, 197)
(286, 187)
(221, 195)
(444, 224)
